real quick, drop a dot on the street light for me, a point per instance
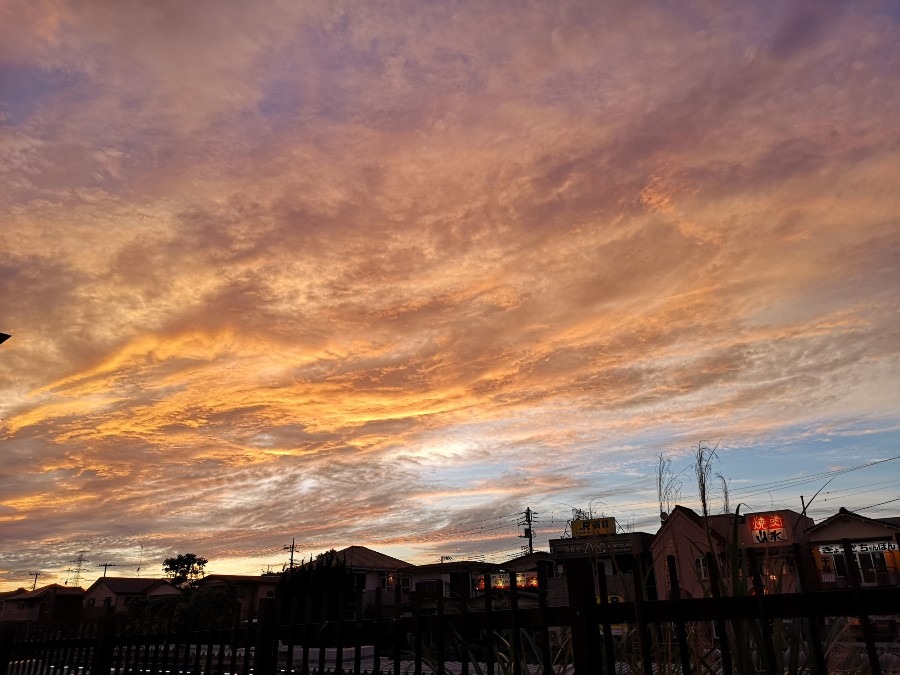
(4, 337)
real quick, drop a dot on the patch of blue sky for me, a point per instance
(25, 88)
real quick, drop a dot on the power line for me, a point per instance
(878, 504)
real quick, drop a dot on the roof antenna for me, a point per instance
(141, 561)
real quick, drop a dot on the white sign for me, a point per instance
(860, 547)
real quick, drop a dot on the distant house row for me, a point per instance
(767, 538)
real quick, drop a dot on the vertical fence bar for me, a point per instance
(864, 622)
(324, 621)
(488, 624)
(715, 584)
(154, 663)
(544, 569)
(210, 643)
(464, 631)
(46, 664)
(641, 625)
(357, 631)
(222, 634)
(104, 642)
(765, 627)
(582, 606)
(811, 623)
(265, 658)
(609, 657)
(167, 642)
(195, 643)
(515, 641)
(304, 633)
(417, 644)
(398, 612)
(339, 632)
(376, 646)
(441, 651)
(248, 638)
(680, 634)
(292, 621)
(7, 635)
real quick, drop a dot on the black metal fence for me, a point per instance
(809, 632)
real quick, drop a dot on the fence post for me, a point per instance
(105, 643)
(488, 624)
(715, 584)
(6, 644)
(812, 621)
(641, 627)
(765, 626)
(675, 597)
(582, 604)
(864, 622)
(266, 658)
(608, 644)
(544, 569)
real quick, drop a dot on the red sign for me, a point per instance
(768, 528)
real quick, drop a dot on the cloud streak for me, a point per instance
(361, 274)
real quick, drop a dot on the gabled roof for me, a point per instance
(6, 595)
(887, 523)
(128, 585)
(695, 518)
(362, 558)
(51, 589)
(527, 561)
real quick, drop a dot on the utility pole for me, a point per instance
(291, 548)
(105, 566)
(527, 521)
(35, 575)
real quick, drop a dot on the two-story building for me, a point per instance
(373, 570)
(766, 537)
(616, 556)
(52, 602)
(248, 589)
(115, 594)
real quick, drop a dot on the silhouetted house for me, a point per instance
(53, 602)
(372, 570)
(248, 589)
(8, 594)
(762, 539)
(455, 581)
(873, 543)
(119, 592)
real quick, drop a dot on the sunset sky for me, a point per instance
(388, 273)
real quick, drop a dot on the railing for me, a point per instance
(809, 632)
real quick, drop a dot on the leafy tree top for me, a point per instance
(184, 569)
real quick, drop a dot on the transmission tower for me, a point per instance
(78, 570)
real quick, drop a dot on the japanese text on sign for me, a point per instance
(768, 528)
(861, 547)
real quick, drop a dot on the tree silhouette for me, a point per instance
(184, 569)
